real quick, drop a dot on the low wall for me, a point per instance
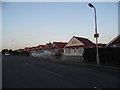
(73, 58)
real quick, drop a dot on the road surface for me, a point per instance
(28, 72)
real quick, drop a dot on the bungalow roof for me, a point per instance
(48, 45)
(85, 41)
(114, 41)
(60, 44)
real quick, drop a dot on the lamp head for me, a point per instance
(90, 5)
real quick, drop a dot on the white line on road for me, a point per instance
(45, 70)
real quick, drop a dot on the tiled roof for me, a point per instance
(34, 48)
(28, 48)
(60, 44)
(116, 40)
(48, 45)
(85, 41)
(41, 46)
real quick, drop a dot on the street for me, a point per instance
(29, 72)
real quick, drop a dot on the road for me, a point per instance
(28, 72)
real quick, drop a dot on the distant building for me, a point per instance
(57, 48)
(114, 42)
(47, 50)
(35, 51)
(20, 50)
(40, 47)
(76, 45)
(27, 49)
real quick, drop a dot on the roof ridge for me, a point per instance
(80, 37)
(84, 40)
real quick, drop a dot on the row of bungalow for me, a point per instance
(75, 47)
(55, 48)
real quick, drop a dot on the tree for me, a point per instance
(4, 51)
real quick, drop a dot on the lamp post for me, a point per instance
(96, 35)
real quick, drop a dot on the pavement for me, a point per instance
(107, 68)
(28, 72)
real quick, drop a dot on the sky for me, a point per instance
(26, 24)
(0, 26)
(119, 17)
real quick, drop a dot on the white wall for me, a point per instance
(74, 51)
(77, 51)
(46, 52)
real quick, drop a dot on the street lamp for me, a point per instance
(96, 35)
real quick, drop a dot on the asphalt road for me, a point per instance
(28, 72)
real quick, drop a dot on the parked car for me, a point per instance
(7, 54)
(36, 54)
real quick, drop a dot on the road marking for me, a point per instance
(97, 88)
(45, 70)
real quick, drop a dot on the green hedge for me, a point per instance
(107, 55)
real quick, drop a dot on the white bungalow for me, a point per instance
(76, 45)
(46, 49)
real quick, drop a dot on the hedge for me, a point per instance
(106, 55)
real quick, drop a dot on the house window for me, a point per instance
(114, 45)
(81, 50)
(41, 51)
(74, 50)
(74, 42)
(53, 45)
(67, 50)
